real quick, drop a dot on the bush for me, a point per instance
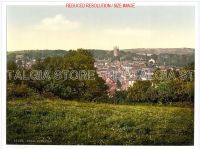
(120, 97)
(137, 92)
(161, 92)
(104, 99)
(18, 91)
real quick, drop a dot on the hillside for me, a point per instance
(57, 121)
(35, 54)
(162, 50)
(175, 56)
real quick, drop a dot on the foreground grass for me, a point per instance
(71, 122)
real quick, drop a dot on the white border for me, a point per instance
(3, 69)
(0, 73)
(197, 77)
(144, 3)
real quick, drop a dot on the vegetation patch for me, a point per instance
(55, 121)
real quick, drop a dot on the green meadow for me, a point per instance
(55, 121)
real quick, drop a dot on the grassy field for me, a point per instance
(70, 122)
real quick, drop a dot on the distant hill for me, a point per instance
(164, 56)
(35, 54)
(161, 50)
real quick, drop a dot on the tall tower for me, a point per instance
(116, 51)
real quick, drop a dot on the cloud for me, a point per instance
(57, 32)
(56, 23)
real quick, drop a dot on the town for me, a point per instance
(119, 69)
(120, 74)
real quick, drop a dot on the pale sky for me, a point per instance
(56, 27)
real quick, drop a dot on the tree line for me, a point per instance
(96, 90)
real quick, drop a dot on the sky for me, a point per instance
(57, 27)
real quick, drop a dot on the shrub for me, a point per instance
(18, 91)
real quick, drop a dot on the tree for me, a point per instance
(119, 85)
(137, 92)
(69, 88)
(119, 97)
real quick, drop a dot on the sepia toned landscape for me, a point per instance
(109, 86)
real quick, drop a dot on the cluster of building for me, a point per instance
(25, 62)
(119, 75)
